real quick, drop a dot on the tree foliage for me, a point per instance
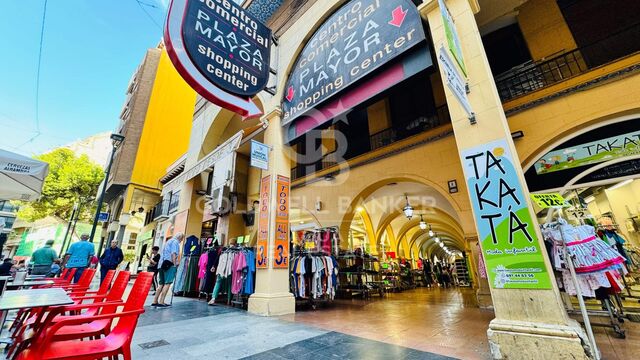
(71, 179)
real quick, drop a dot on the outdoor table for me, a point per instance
(32, 283)
(34, 277)
(26, 299)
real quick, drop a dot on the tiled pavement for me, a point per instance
(192, 330)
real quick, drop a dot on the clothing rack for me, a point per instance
(583, 307)
(313, 287)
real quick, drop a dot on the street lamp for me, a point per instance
(116, 140)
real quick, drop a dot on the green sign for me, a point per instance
(453, 40)
(506, 229)
(594, 152)
(546, 201)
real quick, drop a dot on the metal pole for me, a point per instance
(64, 241)
(100, 199)
(73, 228)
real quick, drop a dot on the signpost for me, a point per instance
(103, 217)
(453, 40)
(221, 50)
(456, 82)
(259, 155)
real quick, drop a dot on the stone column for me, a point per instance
(530, 324)
(272, 296)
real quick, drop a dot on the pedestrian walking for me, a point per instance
(169, 260)
(154, 260)
(78, 256)
(110, 259)
(43, 258)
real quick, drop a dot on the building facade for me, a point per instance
(371, 139)
(155, 121)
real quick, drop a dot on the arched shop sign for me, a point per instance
(359, 38)
(608, 152)
(221, 50)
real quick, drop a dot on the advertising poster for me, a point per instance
(263, 224)
(281, 254)
(590, 153)
(506, 229)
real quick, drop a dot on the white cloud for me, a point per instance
(569, 151)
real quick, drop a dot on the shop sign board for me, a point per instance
(262, 245)
(506, 228)
(281, 247)
(357, 39)
(221, 50)
(552, 200)
(259, 155)
(453, 40)
(594, 152)
(455, 81)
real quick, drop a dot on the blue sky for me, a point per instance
(90, 51)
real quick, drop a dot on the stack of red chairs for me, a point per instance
(90, 336)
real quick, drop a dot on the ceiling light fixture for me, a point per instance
(589, 199)
(431, 233)
(423, 224)
(408, 210)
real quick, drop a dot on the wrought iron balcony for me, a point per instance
(533, 76)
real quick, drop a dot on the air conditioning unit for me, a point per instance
(221, 200)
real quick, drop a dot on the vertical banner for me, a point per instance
(263, 224)
(281, 254)
(453, 40)
(506, 229)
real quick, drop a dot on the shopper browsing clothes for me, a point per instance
(169, 260)
(110, 259)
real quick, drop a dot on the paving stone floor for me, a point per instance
(192, 330)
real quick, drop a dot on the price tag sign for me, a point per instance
(546, 201)
(263, 224)
(281, 244)
(309, 245)
(240, 240)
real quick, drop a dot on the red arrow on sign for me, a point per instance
(398, 16)
(290, 93)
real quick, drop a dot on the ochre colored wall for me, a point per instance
(379, 117)
(167, 127)
(544, 28)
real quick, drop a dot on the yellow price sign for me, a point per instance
(546, 201)
(309, 245)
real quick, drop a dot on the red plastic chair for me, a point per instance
(21, 337)
(117, 342)
(65, 278)
(104, 287)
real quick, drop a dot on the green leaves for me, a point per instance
(71, 179)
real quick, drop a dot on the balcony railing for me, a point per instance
(378, 140)
(533, 76)
(161, 210)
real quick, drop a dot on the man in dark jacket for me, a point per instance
(110, 259)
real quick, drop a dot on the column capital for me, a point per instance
(276, 112)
